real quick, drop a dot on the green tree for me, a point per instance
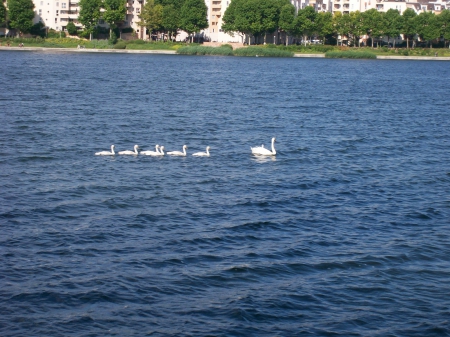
(372, 23)
(343, 25)
(286, 21)
(3, 13)
(71, 28)
(408, 27)
(357, 28)
(305, 22)
(324, 25)
(444, 24)
(392, 23)
(427, 26)
(151, 17)
(114, 13)
(170, 20)
(21, 14)
(89, 14)
(193, 15)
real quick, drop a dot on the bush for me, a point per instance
(350, 54)
(37, 29)
(71, 28)
(201, 50)
(261, 51)
(113, 38)
(120, 45)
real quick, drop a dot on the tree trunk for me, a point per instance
(407, 42)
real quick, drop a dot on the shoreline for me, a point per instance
(173, 52)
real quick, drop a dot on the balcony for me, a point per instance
(337, 6)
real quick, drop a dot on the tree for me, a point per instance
(114, 13)
(151, 16)
(21, 14)
(89, 14)
(427, 26)
(392, 23)
(2, 12)
(372, 23)
(286, 21)
(356, 27)
(343, 25)
(170, 20)
(444, 23)
(193, 15)
(324, 24)
(305, 22)
(408, 27)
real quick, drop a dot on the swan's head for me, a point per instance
(136, 146)
(161, 147)
(185, 147)
(112, 146)
(273, 139)
(207, 148)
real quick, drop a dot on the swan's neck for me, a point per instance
(207, 151)
(273, 147)
(112, 150)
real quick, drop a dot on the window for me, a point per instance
(63, 5)
(40, 12)
(138, 10)
(42, 3)
(57, 4)
(56, 20)
(101, 22)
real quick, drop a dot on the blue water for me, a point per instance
(346, 232)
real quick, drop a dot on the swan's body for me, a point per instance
(202, 154)
(178, 153)
(136, 147)
(151, 153)
(106, 153)
(262, 151)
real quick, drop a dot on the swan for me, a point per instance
(202, 154)
(106, 153)
(136, 147)
(151, 153)
(262, 151)
(161, 148)
(178, 153)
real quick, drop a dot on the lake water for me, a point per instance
(346, 232)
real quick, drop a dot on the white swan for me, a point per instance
(136, 147)
(202, 154)
(161, 148)
(151, 153)
(262, 151)
(178, 153)
(106, 153)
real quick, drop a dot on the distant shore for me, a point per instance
(173, 52)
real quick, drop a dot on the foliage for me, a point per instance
(38, 29)
(372, 23)
(286, 20)
(350, 54)
(21, 14)
(71, 28)
(193, 16)
(444, 24)
(324, 22)
(427, 26)
(408, 25)
(120, 45)
(203, 50)
(3, 12)
(89, 14)
(151, 16)
(114, 13)
(392, 23)
(170, 19)
(262, 52)
(305, 22)
(113, 38)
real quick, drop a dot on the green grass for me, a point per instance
(350, 54)
(263, 52)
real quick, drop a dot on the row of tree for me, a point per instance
(170, 16)
(261, 17)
